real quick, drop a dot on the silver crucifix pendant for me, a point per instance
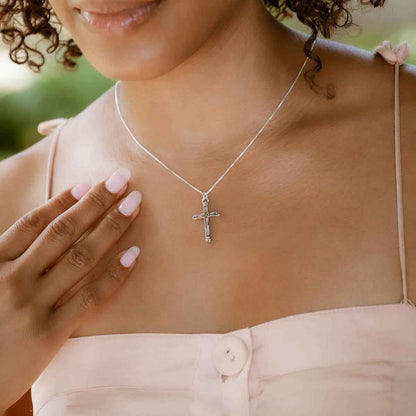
(205, 215)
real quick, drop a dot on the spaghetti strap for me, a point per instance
(396, 57)
(44, 128)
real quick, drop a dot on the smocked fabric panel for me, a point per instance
(360, 361)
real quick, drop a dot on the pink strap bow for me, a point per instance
(48, 126)
(394, 56)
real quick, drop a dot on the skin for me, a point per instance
(308, 215)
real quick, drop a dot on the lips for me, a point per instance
(120, 20)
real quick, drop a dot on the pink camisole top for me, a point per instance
(353, 361)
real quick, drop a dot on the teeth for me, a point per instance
(87, 16)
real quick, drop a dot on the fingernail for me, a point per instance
(129, 256)
(78, 191)
(117, 180)
(130, 203)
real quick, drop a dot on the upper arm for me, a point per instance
(22, 182)
(12, 183)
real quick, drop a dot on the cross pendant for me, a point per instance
(205, 215)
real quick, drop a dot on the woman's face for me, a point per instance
(173, 31)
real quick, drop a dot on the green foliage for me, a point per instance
(56, 93)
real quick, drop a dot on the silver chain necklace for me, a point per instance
(206, 215)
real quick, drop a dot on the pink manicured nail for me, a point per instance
(78, 191)
(130, 203)
(117, 180)
(129, 256)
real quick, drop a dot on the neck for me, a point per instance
(215, 102)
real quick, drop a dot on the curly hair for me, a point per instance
(37, 18)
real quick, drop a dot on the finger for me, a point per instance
(65, 317)
(67, 228)
(84, 255)
(20, 235)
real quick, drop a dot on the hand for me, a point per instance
(42, 255)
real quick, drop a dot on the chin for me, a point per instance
(138, 64)
(148, 47)
(139, 72)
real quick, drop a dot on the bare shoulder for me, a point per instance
(361, 77)
(364, 92)
(23, 175)
(364, 82)
(374, 80)
(22, 182)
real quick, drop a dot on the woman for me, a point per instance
(281, 287)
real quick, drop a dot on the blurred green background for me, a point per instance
(27, 98)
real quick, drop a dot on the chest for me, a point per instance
(303, 226)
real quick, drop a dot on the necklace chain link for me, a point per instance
(206, 214)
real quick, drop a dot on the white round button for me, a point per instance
(230, 354)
